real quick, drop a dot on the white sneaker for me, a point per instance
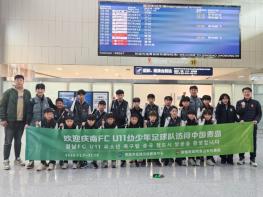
(51, 167)
(41, 167)
(253, 163)
(241, 162)
(184, 163)
(19, 162)
(64, 166)
(198, 162)
(209, 162)
(30, 165)
(74, 166)
(191, 162)
(6, 165)
(104, 164)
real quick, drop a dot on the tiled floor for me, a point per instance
(178, 181)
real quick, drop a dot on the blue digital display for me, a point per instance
(168, 30)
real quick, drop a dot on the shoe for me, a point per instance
(166, 162)
(143, 163)
(41, 167)
(158, 163)
(230, 161)
(30, 165)
(209, 162)
(6, 165)
(94, 165)
(74, 166)
(184, 163)
(241, 162)
(123, 164)
(113, 164)
(104, 164)
(253, 163)
(223, 161)
(191, 162)
(64, 165)
(83, 164)
(198, 162)
(51, 167)
(19, 162)
(137, 164)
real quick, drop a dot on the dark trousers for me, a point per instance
(14, 130)
(252, 154)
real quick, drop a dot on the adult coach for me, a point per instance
(13, 108)
(248, 110)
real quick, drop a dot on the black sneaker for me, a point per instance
(158, 163)
(95, 165)
(137, 164)
(143, 163)
(223, 161)
(166, 162)
(123, 164)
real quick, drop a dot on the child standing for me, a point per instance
(136, 109)
(191, 121)
(207, 119)
(109, 124)
(69, 124)
(47, 122)
(184, 109)
(134, 123)
(151, 107)
(172, 121)
(152, 122)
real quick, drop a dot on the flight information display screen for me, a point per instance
(168, 30)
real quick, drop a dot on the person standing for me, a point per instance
(195, 102)
(13, 116)
(248, 110)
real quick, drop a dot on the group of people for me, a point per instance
(18, 110)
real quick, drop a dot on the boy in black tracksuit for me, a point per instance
(165, 112)
(69, 124)
(226, 113)
(47, 122)
(137, 110)
(81, 109)
(191, 121)
(134, 123)
(207, 119)
(151, 107)
(60, 112)
(89, 124)
(248, 110)
(172, 121)
(152, 122)
(121, 113)
(100, 113)
(109, 124)
(206, 99)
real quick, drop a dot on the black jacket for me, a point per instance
(149, 108)
(152, 124)
(251, 112)
(86, 126)
(165, 114)
(99, 117)
(107, 126)
(81, 112)
(225, 114)
(59, 115)
(119, 111)
(46, 124)
(191, 122)
(73, 127)
(138, 112)
(174, 122)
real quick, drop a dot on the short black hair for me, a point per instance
(19, 77)
(150, 96)
(191, 112)
(40, 86)
(206, 97)
(168, 98)
(247, 88)
(81, 92)
(193, 87)
(69, 116)
(136, 100)
(109, 115)
(101, 102)
(185, 98)
(118, 92)
(49, 110)
(153, 113)
(134, 115)
(173, 107)
(59, 100)
(91, 117)
(207, 111)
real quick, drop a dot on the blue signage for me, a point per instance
(164, 70)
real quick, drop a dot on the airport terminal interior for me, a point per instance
(160, 47)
